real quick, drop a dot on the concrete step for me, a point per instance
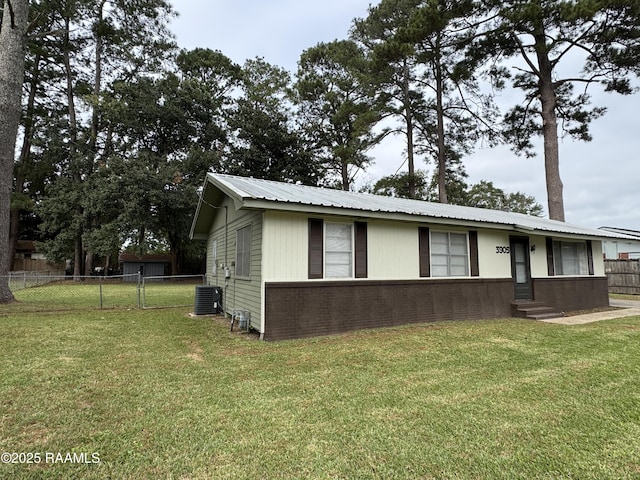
(533, 310)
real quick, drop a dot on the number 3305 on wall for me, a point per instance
(500, 249)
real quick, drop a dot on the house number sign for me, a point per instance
(502, 249)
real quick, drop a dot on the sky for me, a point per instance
(601, 178)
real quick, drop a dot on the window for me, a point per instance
(570, 258)
(338, 250)
(449, 254)
(243, 252)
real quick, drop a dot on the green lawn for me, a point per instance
(91, 294)
(157, 394)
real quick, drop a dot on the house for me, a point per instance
(148, 265)
(621, 249)
(29, 259)
(305, 261)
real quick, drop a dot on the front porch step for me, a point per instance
(533, 310)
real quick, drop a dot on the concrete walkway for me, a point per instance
(628, 308)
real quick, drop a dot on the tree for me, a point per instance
(481, 195)
(458, 114)
(167, 130)
(394, 72)
(455, 183)
(403, 185)
(602, 36)
(338, 107)
(34, 166)
(485, 195)
(98, 44)
(13, 31)
(267, 142)
(431, 80)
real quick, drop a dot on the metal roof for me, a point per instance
(253, 192)
(630, 234)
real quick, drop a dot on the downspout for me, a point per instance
(226, 264)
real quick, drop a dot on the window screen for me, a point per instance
(338, 250)
(570, 258)
(449, 254)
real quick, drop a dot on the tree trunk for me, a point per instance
(25, 152)
(88, 264)
(14, 220)
(442, 154)
(344, 170)
(408, 116)
(78, 256)
(12, 52)
(77, 259)
(555, 199)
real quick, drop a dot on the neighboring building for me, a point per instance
(308, 261)
(149, 265)
(29, 259)
(621, 249)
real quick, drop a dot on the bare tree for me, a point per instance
(12, 51)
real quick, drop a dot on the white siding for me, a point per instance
(392, 250)
(285, 247)
(538, 257)
(494, 261)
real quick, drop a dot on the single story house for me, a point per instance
(29, 259)
(621, 249)
(306, 261)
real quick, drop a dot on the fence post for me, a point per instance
(138, 288)
(100, 282)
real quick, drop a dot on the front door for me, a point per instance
(521, 268)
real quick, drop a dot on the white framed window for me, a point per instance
(338, 251)
(449, 254)
(243, 252)
(570, 258)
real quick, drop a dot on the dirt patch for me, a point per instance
(196, 352)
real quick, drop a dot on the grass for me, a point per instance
(623, 296)
(161, 395)
(67, 294)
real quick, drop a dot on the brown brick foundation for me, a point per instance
(306, 309)
(567, 294)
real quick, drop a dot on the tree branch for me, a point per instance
(525, 56)
(12, 14)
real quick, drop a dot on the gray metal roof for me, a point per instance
(630, 234)
(286, 196)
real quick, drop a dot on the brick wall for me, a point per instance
(568, 294)
(306, 309)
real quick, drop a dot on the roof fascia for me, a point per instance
(212, 182)
(192, 234)
(261, 204)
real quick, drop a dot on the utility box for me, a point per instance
(208, 300)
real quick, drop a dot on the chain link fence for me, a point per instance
(53, 291)
(170, 291)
